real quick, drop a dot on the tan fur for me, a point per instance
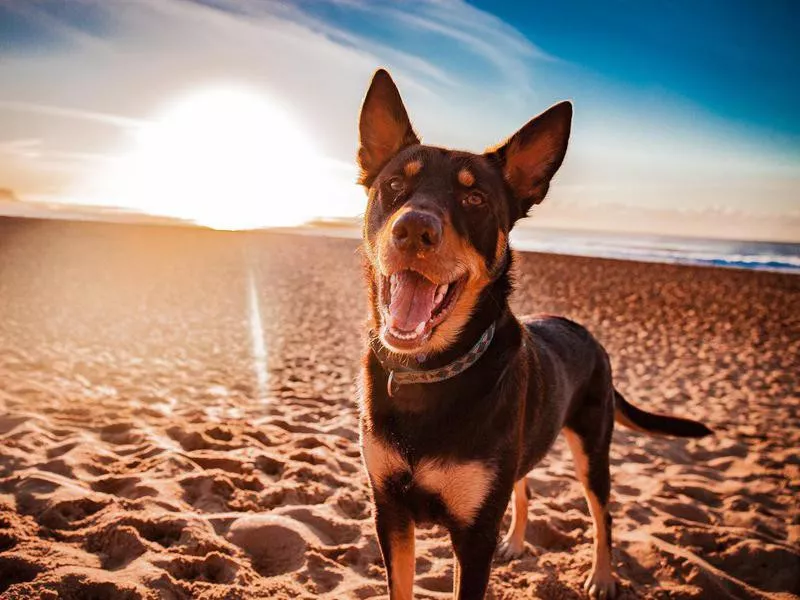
(456, 577)
(620, 418)
(466, 178)
(500, 248)
(380, 459)
(403, 561)
(513, 543)
(601, 576)
(519, 158)
(412, 168)
(462, 486)
(473, 263)
(455, 258)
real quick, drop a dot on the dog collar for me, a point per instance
(400, 374)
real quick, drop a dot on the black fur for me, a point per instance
(537, 377)
(656, 424)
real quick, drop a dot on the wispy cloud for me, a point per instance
(479, 32)
(265, 15)
(72, 113)
(21, 148)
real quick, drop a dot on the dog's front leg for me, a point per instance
(395, 529)
(474, 548)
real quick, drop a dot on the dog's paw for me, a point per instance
(600, 585)
(509, 549)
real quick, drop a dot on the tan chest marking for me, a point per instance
(462, 486)
(380, 459)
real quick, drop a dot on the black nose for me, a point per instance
(417, 231)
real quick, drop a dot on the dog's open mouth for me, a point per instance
(412, 306)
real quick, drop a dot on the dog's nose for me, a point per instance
(417, 231)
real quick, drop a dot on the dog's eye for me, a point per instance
(474, 198)
(396, 184)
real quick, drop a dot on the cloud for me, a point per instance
(72, 113)
(22, 148)
(479, 32)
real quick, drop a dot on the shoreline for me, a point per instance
(774, 257)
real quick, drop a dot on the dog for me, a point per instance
(460, 399)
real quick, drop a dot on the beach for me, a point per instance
(179, 420)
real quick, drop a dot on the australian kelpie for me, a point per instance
(461, 399)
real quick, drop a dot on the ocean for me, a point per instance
(764, 256)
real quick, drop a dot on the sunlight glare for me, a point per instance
(258, 346)
(227, 158)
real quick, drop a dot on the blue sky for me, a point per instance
(731, 58)
(679, 106)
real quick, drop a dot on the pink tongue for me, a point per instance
(412, 300)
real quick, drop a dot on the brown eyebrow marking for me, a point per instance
(412, 168)
(466, 178)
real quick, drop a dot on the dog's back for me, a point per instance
(569, 372)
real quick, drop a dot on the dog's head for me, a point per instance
(437, 221)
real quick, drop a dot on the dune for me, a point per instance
(178, 421)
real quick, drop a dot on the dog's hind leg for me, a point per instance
(589, 438)
(513, 544)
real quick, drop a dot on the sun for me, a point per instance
(227, 158)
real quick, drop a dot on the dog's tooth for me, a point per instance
(420, 328)
(440, 293)
(400, 335)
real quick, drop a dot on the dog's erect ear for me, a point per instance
(384, 128)
(531, 157)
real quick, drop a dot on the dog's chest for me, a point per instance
(460, 487)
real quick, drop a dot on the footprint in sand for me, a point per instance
(442, 584)
(213, 568)
(7, 541)
(166, 532)
(328, 528)
(16, 569)
(121, 433)
(269, 464)
(70, 514)
(116, 546)
(542, 533)
(352, 506)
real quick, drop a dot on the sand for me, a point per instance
(177, 421)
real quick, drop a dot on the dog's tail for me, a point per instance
(637, 419)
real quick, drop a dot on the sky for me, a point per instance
(242, 113)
